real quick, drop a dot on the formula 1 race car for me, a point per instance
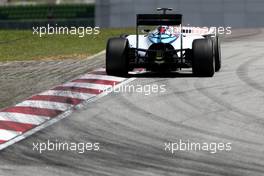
(166, 48)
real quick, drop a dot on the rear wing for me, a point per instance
(159, 19)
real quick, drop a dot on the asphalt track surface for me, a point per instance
(132, 128)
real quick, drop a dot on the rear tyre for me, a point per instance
(217, 50)
(203, 58)
(117, 57)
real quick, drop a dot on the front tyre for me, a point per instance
(203, 58)
(117, 57)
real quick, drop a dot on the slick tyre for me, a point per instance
(203, 58)
(117, 57)
(217, 52)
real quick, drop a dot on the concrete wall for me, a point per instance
(234, 13)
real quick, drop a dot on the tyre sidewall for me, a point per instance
(203, 57)
(117, 56)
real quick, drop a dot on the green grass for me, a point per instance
(17, 45)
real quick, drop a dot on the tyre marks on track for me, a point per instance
(243, 73)
(149, 115)
(185, 130)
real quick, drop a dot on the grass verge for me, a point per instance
(20, 45)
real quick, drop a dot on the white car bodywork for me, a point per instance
(187, 39)
(144, 42)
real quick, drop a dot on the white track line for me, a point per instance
(22, 118)
(99, 69)
(83, 96)
(86, 85)
(45, 105)
(102, 77)
(6, 135)
(140, 71)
